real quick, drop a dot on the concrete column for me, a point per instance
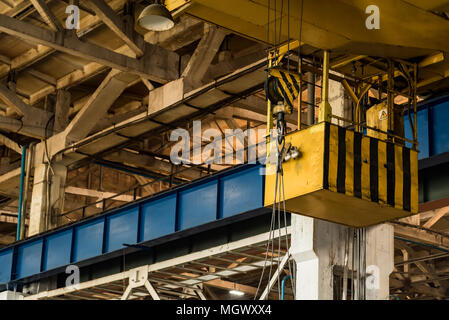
(63, 100)
(10, 295)
(318, 246)
(340, 102)
(379, 261)
(311, 98)
(48, 187)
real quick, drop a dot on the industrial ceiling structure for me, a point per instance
(91, 110)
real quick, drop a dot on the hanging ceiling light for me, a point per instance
(236, 292)
(156, 17)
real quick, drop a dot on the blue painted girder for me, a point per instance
(214, 198)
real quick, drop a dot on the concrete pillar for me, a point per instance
(340, 102)
(311, 98)
(62, 107)
(48, 187)
(379, 259)
(318, 246)
(10, 295)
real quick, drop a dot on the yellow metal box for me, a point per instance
(348, 178)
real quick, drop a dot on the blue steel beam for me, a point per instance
(208, 200)
(433, 133)
(215, 198)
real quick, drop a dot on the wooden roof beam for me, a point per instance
(45, 12)
(42, 76)
(148, 162)
(32, 56)
(202, 57)
(11, 144)
(440, 213)
(33, 120)
(185, 32)
(23, 127)
(123, 30)
(13, 101)
(98, 104)
(157, 64)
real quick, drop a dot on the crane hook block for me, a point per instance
(282, 86)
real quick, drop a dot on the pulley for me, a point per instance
(282, 86)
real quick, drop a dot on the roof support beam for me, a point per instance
(33, 120)
(421, 235)
(98, 194)
(30, 57)
(11, 144)
(13, 101)
(185, 32)
(22, 127)
(63, 100)
(436, 217)
(147, 187)
(116, 24)
(98, 104)
(42, 76)
(202, 57)
(423, 266)
(157, 64)
(45, 12)
(147, 162)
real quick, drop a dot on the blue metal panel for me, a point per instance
(29, 258)
(88, 240)
(227, 194)
(423, 133)
(57, 250)
(198, 205)
(158, 218)
(6, 265)
(122, 228)
(241, 192)
(439, 128)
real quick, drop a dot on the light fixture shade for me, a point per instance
(237, 293)
(156, 17)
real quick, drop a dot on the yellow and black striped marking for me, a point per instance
(289, 84)
(370, 169)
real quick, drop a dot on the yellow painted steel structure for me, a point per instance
(290, 83)
(377, 117)
(346, 177)
(408, 28)
(342, 175)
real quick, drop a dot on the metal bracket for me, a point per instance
(137, 279)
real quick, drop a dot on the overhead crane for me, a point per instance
(359, 175)
(368, 168)
(338, 174)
